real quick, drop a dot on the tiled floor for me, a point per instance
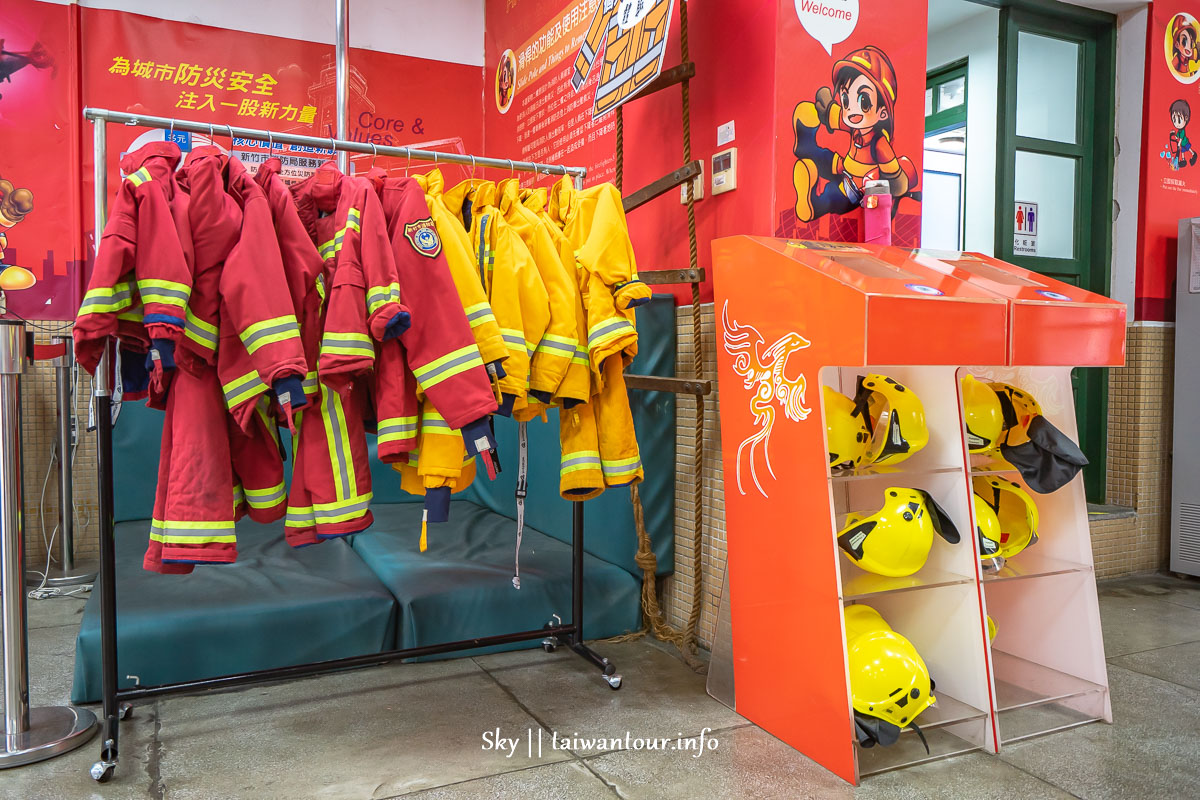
(418, 730)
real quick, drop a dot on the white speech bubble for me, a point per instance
(828, 21)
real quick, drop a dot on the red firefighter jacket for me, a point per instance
(303, 266)
(237, 275)
(343, 217)
(441, 349)
(142, 278)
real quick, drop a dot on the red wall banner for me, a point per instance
(1170, 170)
(151, 66)
(850, 87)
(532, 110)
(39, 182)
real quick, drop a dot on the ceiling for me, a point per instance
(946, 13)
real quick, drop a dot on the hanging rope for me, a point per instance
(652, 614)
(619, 168)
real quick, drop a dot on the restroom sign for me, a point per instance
(1025, 228)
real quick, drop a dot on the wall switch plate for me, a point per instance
(724, 171)
(725, 133)
(697, 187)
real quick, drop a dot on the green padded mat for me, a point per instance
(275, 607)
(461, 586)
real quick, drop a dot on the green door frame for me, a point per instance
(1095, 31)
(948, 118)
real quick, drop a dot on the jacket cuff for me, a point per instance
(160, 329)
(162, 351)
(397, 325)
(506, 405)
(540, 396)
(437, 504)
(631, 294)
(478, 436)
(383, 317)
(289, 391)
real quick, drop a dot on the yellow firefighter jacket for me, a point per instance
(560, 343)
(512, 281)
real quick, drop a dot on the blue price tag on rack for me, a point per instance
(181, 138)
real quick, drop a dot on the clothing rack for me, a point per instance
(117, 702)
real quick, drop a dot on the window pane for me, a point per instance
(929, 102)
(1047, 87)
(1049, 182)
(951, 94)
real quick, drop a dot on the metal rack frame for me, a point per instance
(116, 702)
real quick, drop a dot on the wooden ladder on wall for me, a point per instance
(695, 386)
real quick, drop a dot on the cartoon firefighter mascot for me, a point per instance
(861, 103)
(1183, 46)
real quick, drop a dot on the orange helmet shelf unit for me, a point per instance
(794, 316)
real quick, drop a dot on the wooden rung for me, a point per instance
(654, 383)
(661, 186)
(666, 277)
(668, 77)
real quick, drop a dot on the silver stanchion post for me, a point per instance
(70, 570)
(38, 733)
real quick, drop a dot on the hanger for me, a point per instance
(408, 166)
(230, 127)
(374, 155)
(472, 167)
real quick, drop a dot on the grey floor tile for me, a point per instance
(1176, 664)
(54, 611)
(67, 778)
(660, 696)
(747, 762)
(570, 780)
(1181, 591)
(1151, 750)
(256, 701)
(365, 743)
(1133, 623)
(524, 658)
(977, 776)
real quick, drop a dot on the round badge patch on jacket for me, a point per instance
(424, 237)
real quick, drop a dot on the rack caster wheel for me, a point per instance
(550, 644)
(613, 681)
(102, 771)
(125, 711)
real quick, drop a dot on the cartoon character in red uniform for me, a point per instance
(862, 103)
(15, 204)
(1183, 46)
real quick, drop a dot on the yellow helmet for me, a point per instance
(987, 529)
(991, 630)
(896, 419)
(895, 540)
(1015, 512)
(985, 420)
(889, 681)
(846, 433)
(1019, 408)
